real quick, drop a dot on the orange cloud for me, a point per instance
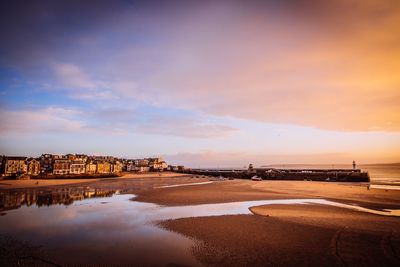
(335, 67)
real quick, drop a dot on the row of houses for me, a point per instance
(145, 165)
(19, 165)
(71, 164)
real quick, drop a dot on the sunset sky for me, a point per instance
(202, 83)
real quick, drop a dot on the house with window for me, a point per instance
(61, 166)
(117, 166)
(157, 164)
(33, 166)
(104, 167)
(77, 166)
(46, 163)
(130, 165)
(91, 167)
(15, 166)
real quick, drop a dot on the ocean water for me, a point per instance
(383, 173)
(379, 173)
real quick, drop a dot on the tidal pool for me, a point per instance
(107, 231)
(84, 228)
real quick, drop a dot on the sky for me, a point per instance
(202, 83)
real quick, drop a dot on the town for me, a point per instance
(77, 165)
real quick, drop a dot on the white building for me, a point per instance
(77, 167)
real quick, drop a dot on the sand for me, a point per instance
(243, 190)
(288, 235)
(275, 235)
(36, 183)
(345, 192)
(293, 239)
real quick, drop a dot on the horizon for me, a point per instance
(216, 165)
(203, 84)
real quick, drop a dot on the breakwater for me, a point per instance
(338, 175)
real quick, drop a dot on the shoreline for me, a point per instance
(6, 184)
(79, 179)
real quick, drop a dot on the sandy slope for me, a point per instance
(242, 190)
(33, 183)
(288, 235)
(293, 235)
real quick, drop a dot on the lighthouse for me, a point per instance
(354, 165)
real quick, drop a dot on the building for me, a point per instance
(91, 167)
(142, 162)
(157, 164)
(81, 157)
(15, 166)
(103, 158)
(130, 166)
(46, 163)
(61, 166)
(173, 168)
(117, 166)
(33, 167)
(142, 165)
(104, 167)
(164, 165)
(77, 166)
(2, 159)
(142, 168)
(251, 168)
(181, 168)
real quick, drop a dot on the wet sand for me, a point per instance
(288, 235)
(276, 235)
(245, 190)
(36, 183)
(293, 236)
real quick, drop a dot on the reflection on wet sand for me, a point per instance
(66, 196)
(115, 231)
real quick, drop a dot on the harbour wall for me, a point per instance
(338, 175)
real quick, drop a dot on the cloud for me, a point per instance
(161, 123)
(73, 77)
(310, 63)
(185, 128)
(78, 84)
(46, 120)
(318, 72)
(319, 67)
(109, 121)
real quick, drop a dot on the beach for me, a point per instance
(288, 235)
(245, 190)
(302, 235)
(37, 183)
(272, 234)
